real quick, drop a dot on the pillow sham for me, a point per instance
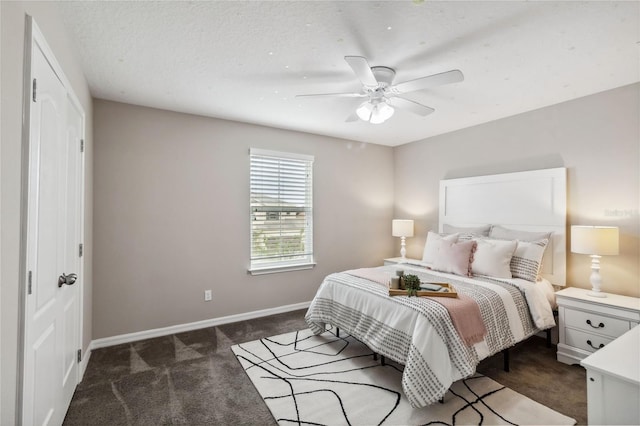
(502, 233)
(527, 259)
(493, 258)
(467, 232)
(432, 245)
(454, 258)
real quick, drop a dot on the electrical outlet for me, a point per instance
(207, 295)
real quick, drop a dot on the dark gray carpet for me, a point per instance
(193, 378)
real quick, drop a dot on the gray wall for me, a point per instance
(596, 137)
(50, 22)
(172, 216)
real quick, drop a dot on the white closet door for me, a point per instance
(52, 302)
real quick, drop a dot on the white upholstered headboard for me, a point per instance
(528, 201)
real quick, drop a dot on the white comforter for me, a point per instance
(418, 332)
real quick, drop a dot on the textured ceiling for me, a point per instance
(246, 61)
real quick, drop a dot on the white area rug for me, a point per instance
(326, 380)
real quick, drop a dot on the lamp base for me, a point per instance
(595, 278)
(593, 293)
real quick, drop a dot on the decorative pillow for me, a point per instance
(432, 245)
(454, 258)
(467, 232)
(502, 233)
(527, 259)
(493, 258)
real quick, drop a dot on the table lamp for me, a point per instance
(595, 241)
(402, 228)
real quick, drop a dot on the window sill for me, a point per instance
(280, 268)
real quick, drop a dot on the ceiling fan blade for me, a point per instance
(352, 117)
(336, 95)
(453, 76)
(361, 67)
(410, 105)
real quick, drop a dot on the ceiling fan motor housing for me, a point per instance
(384, 75)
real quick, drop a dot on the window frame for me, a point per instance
(257, 267)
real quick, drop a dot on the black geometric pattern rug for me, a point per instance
(329, 380)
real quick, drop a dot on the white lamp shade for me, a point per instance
(402, 228)
(598, 240)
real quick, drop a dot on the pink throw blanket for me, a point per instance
(465, 316)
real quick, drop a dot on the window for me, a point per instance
(281, 211)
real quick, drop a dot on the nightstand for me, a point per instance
(587, 323)
(396, 260)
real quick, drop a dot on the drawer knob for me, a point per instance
(599, 347)
(592, 379)
(601, 325)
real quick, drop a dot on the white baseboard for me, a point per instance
(85, 361)
(181, 328)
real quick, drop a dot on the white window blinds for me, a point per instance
(281, 210)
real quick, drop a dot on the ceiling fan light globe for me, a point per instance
(376, 119)
(385, 110)
(365, 111)
(381, 113)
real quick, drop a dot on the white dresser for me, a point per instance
(588, 323)
(613, 382)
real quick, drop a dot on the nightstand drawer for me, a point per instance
(595, 323)
(585, 341)
(586, 322)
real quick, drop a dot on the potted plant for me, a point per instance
(412, 284)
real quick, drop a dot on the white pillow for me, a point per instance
(493, 258)
(527, 259)
(454, 258)
(502, 233)
(432, 245)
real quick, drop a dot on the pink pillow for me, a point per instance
(455, 258)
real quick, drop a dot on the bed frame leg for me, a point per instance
(375, 356)
(441, 400)
(383, 361)
(505, 354)
(337, 332)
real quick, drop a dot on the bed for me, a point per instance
(422, 333)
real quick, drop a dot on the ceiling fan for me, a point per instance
(383, 96)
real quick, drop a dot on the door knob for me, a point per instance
(67, 279)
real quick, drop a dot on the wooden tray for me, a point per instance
(452, 292)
